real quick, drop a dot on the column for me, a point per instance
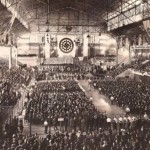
(10, 57)
(85, 45)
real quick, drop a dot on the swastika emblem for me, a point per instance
(66, 45)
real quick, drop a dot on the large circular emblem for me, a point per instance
(66, 45)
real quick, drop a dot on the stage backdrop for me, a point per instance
(66, 45)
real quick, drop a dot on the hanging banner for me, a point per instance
(47, 45)
(66, 46)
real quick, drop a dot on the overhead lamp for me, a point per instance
(68, 28)
(88, 36)
(47, 30)
(47, 22)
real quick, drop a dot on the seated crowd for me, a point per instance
(116, 70)
(52, 100)
(134, 95)
(65, 71)
(16, 75)
(140, 64)
(82, 126)
(59, 76)
(8, 96)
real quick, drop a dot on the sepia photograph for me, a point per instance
(74, 74)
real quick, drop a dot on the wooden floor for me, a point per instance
(101, 102)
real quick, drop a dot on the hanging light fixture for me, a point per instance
(88, 36)
(47, 21)
(47, 30)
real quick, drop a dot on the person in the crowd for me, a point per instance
(45, 126)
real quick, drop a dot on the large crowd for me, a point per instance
(133, 137)
(140, 64)
(134, 95)
(62, 99)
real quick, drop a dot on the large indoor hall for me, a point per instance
(74, 74)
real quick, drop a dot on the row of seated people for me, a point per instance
(59, 76)
(131, 94)
(56, 86)
(8, 96)
(145, 68)
(116, 70)
(135, 138)
(53, 100)
(71, 68)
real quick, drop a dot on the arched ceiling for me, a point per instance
(81, 15)
(61, 15)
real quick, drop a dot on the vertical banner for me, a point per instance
(47, 45)
(66, 45)
(53, 45)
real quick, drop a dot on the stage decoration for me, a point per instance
(66, 45)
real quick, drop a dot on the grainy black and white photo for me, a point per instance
(74, 74)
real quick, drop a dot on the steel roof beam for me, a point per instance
(7, 4)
